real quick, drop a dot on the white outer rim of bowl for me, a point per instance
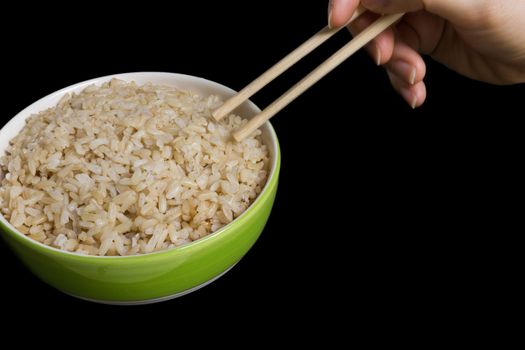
(129, 77)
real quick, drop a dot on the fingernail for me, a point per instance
(414, 102)
(412, 76)
(405, 71)
(409, 97)
(330, 5)
(378, 55)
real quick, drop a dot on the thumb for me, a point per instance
(452, 10)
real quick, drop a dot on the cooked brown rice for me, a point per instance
(123, 169)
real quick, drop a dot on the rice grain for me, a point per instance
(124, 169)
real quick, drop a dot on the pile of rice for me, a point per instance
(122, 169)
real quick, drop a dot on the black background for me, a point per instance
(375, 201)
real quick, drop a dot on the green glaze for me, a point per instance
(149, 276)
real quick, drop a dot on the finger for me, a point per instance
(422, 31)
(406, 63)
(382, 46)
(459, 12)
(340, 11)
(404, 71)
(393, 6)
(414, 95)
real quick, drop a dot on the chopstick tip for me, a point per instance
(237, 136)
(217, 114)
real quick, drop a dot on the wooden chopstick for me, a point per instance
(294, 57)
(326, 67)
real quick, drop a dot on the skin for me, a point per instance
(481, 39)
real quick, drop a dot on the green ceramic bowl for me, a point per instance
(150, 277)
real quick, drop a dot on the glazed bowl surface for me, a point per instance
(156, 276)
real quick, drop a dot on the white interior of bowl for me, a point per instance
(185, 82)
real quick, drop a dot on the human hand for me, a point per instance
(481, 39)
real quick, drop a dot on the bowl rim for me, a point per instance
(270, 181)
